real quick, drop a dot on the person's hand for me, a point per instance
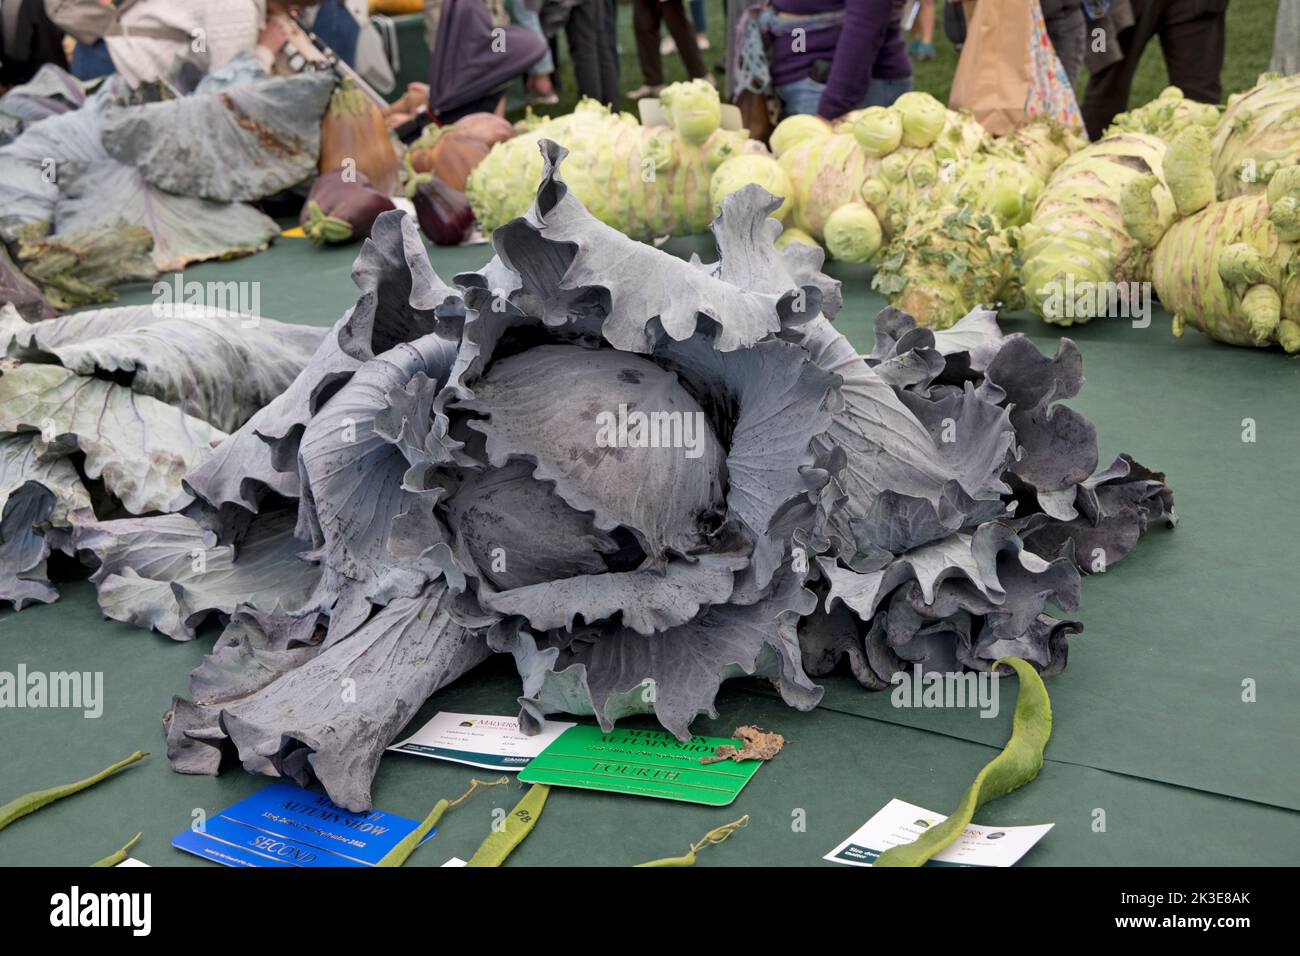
(273, 35)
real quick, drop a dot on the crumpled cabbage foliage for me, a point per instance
(181, 168)
(441, 460)
(105, 412)
(52, 90)
(257, 137)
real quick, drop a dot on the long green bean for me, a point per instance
(117, 856)
(499, 843)
(31, 802)
(712, 838)
(406, 846)
(1017, 764)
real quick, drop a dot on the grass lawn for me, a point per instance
(1250, 45)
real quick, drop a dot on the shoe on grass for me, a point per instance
(644, 90)
(702, 41)
(534, 98)
(667, 46)
(924, 51)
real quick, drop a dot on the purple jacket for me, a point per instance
(867, 43)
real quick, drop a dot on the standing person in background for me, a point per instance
(611, 38)
(700, 21)
(595, 65)
(852, 55)
(1286, 38)
(539, 90)
(1192, 34)
(647, 15)
(1067, 29)
(344, 26)
(148, 36)
(28, 40)
(921, 46)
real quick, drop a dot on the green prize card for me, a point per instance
(650, 763)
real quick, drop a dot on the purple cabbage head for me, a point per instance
(638, 476)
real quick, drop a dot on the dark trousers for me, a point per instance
(1191, 36)
(647, 15)
(595, 67)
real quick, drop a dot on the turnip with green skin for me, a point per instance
(793, 234)
(923, 118)
(879, 130)
(793, 130)
(693, 109)
(741, 171)
(853, 233)
(825, 173)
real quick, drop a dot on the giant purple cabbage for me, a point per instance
(434, 488)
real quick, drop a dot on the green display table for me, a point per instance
(1160, 756)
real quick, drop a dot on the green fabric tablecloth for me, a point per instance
(1151, 726)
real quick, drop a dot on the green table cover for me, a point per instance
(1151, 726)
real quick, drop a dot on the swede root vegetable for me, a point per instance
(1166, 116)
(1042, 144)
(1232, 269)
(1077, 233)
(826, 172)
(946, 262)
(644, 181)
(1258, 134)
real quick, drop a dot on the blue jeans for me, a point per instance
(529, 19)
(804, 96)
(699, 18)
(91, 62)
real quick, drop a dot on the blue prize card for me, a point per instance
(284, 825)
